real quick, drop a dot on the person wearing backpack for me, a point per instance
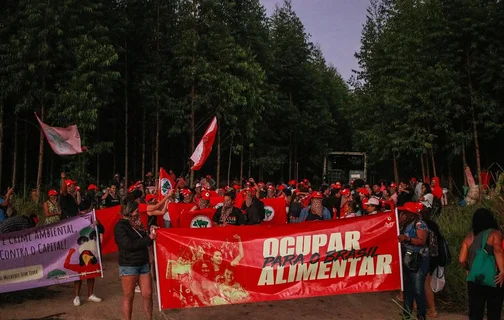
(434, 253)
(483, 258)
(415, 253)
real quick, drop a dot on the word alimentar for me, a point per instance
(318, 257)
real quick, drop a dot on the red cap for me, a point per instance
(92, 187)
(52, 193)
(131, 188)
(208, 176)
(345, 192)
(305, 181)
(393, 185)
(186, 192)
(77, 188)
(337, 185)
(271, 187)
(281, 188)
(260, 183)
(69, 182)
(317, 195)
(413, 179)
(292, 183)
(149, 197)
(236, 187)
(414, 207)
(205, 195)
(363, 190)
(250, 189)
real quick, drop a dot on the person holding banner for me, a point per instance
(133, 243)
(316, 211)
(253, 207)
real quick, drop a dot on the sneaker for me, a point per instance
(94, 298)
(77, 302)
(137, 289)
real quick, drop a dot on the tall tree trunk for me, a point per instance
(98, 156)
(396, 171)
(473, 118)
(217, 178)
(423, 167)
(153, 149)
(144, 115)
(126, 115)
(157, 83)
(241, 158)
(40, 155)
(433, 163)
(450, 176)
(15, 154)
(250, 164)
(25, 161)
(229, 162)
(427, 167)
(114, 149)
(290, 158)
(192, 129)
(464, 163)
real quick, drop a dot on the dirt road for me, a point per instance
(55, 303)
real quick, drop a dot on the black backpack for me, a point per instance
(444, 257)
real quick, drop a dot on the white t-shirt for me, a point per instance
(428, 200)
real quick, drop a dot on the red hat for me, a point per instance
(393, 185)
(186, 192)
(317, 195)
(292, 183)
(52, 193)
(271, 187)
(337, 185)
(236, 187)
(305, 181)
(281, 188)
(260, 183)
(131, 188)
(208, 176)
(414, 207)
(77, 188)
(413, 179)
(69, 182)
(363, 190)
(345, 192)
(92, 187)
(205, 195)
(149, 197)
(250, 189)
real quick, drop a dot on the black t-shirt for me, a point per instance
(255, 213)
(313, 217)
(378, 195)
(404, 197)
(235, 218)
(69, 207)
(111, 201)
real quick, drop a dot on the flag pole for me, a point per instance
(157, 275)
(98, 243)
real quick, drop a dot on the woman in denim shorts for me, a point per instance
(133, 243)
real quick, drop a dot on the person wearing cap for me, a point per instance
(372, 205)
(364, 198)
(69, 198)
(52, 208)
(253, 207)
(414, 247)
(315, 211)
(187, 195)
(271, 192)
(393, 192)
(90, 200)
(204, 201)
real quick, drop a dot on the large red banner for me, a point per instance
(218, 266)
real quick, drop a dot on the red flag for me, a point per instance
(63, 141)
(197, 219)
(108, 218)
(204, 147)
(216, 201)
(175, 210)
(166, 183)
(276, 212)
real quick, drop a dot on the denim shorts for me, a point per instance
(134, 271)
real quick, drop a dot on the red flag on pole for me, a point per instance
(166, 183)
(204, 147)
(63, 141)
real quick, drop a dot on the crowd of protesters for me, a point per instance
(417, 202)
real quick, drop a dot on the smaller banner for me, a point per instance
(233, 265)
(166, 184)
(175, 210)
(108, 218)
(216, 201)
(276, 211)
(197, 219)
(63, 141)
(57, 253)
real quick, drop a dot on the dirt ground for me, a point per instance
(55, 303)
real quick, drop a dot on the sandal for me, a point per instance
(432, 314)
(398, 297)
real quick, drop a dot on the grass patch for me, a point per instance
(455, 224)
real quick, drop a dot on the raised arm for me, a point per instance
(241, 254)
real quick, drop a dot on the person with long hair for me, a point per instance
(485, 231)
(133, 243)
(434, 236)
(413, 238)
(427, 198)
